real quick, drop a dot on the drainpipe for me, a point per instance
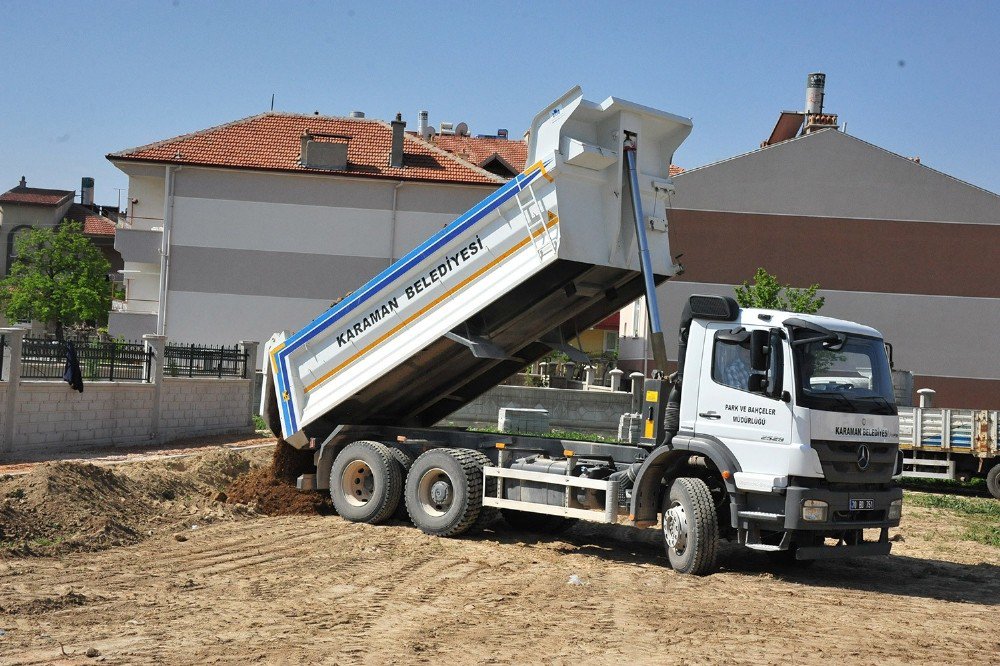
(392, 228)
(168, 215)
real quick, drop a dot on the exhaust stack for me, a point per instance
(815, 91)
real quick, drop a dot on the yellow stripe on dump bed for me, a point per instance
(541, 167)
(553, 220)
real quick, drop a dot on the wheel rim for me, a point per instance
(435, 492)
(675, 528)
(358, 483)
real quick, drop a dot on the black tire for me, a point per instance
(365, 482)
(537, 523)
(690, 527)
(487, 514)
(993, 480)
(404, 461)
(444, 491)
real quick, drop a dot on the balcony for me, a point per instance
(138, 245)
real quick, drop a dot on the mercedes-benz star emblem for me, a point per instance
(864, 457)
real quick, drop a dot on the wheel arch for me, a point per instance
(647, 490)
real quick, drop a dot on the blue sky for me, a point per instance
(81, 79)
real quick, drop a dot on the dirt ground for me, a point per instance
(220, 583)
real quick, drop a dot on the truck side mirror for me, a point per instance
(759, 349)
(757, 383)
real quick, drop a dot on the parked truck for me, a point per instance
(753, 439)
(951, 444)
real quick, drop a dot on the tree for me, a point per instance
(766, 292)
(59, 277)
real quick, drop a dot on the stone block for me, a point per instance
(630, 427)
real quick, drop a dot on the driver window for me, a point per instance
(731, 364)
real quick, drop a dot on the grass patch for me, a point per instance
(979, 516)
(554, 434)
(970, 506)
(259, 423)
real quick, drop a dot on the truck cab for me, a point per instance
(796, 425)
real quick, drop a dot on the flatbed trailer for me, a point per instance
(944, 443)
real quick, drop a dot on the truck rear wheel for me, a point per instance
(444, 491)
(487, 514)
(690, 527)
(365, 482)
(404, 462)
(993, 480)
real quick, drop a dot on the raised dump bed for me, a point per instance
(547, 255)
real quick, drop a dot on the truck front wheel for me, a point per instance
(366, 482)
(993, 480)
(690, 527)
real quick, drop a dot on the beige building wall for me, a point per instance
(252, 253)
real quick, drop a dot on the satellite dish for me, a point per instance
(462, 129)
(428, 132)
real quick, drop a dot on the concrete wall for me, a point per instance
(52, 418)
(49, 417)
(204, 406)
(584, 411)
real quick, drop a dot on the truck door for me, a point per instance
(756, 427)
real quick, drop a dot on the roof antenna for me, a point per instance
(272, 101)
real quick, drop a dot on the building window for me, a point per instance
(11, 249)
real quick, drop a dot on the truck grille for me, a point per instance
(840, 461)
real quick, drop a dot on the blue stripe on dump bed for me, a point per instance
(408, 261)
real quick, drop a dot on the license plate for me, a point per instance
(862, 504)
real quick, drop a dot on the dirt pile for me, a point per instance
(271, 490)
(63, 506)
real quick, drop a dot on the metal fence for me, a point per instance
(112, 361)
(202, 361)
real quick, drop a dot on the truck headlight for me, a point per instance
(814, 511)
(896, 510)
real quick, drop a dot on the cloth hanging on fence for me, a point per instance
(72, 374)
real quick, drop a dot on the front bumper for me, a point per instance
(839, 515)
(841, 522)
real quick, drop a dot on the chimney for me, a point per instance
(396, 155)
(24, 182)
(422, 117)
(87, 191)
(815, 87)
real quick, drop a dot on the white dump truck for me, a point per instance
(749, 440)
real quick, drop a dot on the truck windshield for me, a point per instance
(852, 377)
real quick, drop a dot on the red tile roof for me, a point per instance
(272, 142)
(675, 170)
(35, 196)
(479, 150)
(93, 224)
(609, 324)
